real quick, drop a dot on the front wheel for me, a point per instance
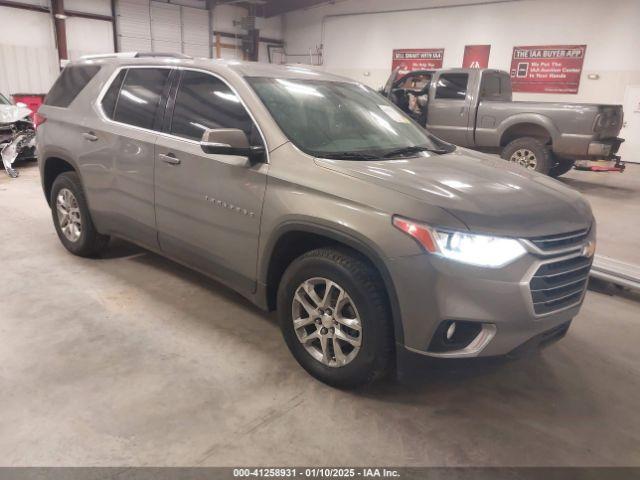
(334, 316)
(530, 153)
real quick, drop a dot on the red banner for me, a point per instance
(409, 59)
(547, 69)
(476, 56)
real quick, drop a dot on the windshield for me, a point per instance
(342, 120)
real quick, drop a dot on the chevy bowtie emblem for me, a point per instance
(589, 249)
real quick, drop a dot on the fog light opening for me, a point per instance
(454, 335)
(451, 330)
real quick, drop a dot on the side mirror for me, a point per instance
(230, 141)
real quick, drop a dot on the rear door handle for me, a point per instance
(169, 158)
(92, 137)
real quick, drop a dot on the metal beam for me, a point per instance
(57, 10)
(114, 26)
(89, 16)
(273, 8)
(24, 6)
(41, 9)
(238, 36)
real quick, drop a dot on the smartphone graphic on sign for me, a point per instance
(523, 70)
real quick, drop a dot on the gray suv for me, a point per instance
(313, 195)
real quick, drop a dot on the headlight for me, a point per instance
(480, 250)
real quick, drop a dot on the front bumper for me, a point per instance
(432, 290)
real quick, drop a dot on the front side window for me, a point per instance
(452, 86)
(69, 84)
(140, 102)
(341, 119)
(206, 102)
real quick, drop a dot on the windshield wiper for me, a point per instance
(414, 149)
(347, 156)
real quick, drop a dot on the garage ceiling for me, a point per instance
(271, 8)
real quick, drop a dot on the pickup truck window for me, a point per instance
(452, 86)
(490, 86)
(495, 86)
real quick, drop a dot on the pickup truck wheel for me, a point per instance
(72, 219)
(562, 166)
(530, 153)
(335, 318)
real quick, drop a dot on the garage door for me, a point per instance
(153, 26)
(195, 32)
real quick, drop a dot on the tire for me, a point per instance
(84, 241)
(562, 166)
(530, 149)
(367, 301)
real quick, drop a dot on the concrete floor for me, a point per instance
(133, 360)
(615, 200)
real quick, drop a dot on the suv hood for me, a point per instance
(13, 113)
(486, 193)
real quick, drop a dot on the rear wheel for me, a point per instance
(562, 166)
(335, 319)
(530, 153)
(72, 219)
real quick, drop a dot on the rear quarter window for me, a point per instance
(111, 97)
(69, 84)
(142, 97)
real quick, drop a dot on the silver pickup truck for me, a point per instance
(474, 108)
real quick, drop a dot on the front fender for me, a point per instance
(340, 234)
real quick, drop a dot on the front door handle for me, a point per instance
(169, 158)
(92, 137)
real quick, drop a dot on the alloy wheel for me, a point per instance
(525, 158)
(69, 217)
(326, 322)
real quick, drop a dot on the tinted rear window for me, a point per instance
(111, 97)
(141, 97)
(495, 86)
(69, 84)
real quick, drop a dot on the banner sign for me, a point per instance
(547, 69)
(476, 56)
(409, 59)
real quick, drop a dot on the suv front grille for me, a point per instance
(560, 284)
(563, 240)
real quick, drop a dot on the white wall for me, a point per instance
(28, 58)
(28, 54)
(360, 44)
(85, 37)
